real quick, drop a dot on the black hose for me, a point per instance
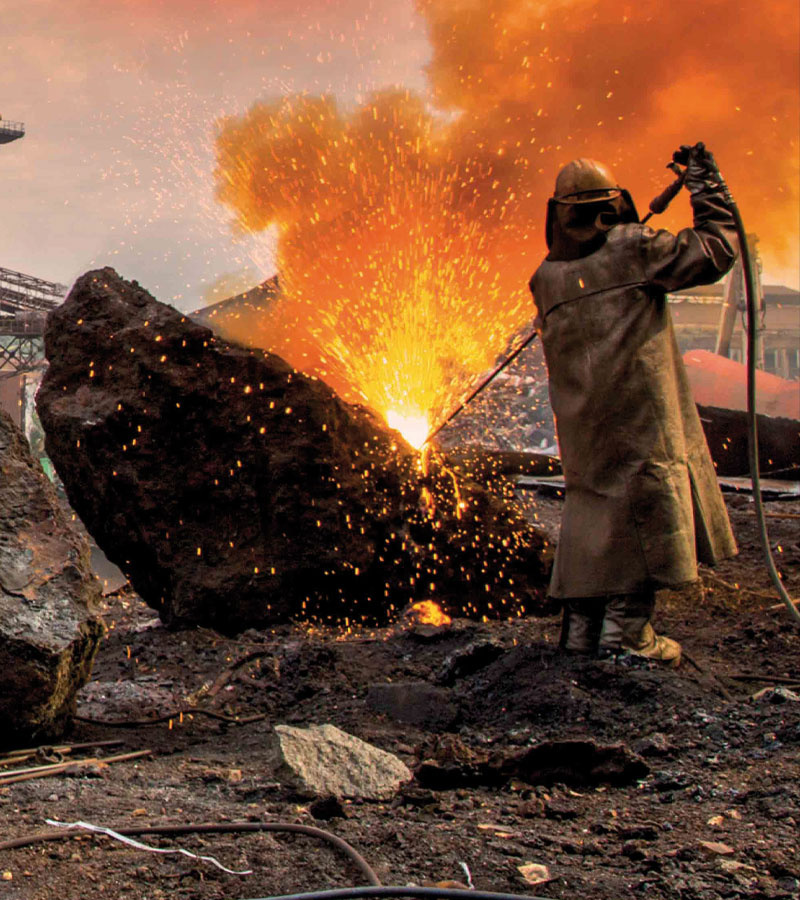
(397, 891)
(752, 421)
(213, 828)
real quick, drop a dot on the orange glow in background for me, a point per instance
(407, 231)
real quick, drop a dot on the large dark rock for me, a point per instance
(235, 491)
(47, 636)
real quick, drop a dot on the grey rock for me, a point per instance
(322, 760)
(414, 703)
(48, 636)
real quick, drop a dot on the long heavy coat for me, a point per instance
(642, 501)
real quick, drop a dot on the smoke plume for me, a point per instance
(407, 232)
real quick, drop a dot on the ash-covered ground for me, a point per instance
(716, 817)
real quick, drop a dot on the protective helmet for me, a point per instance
(586, 203)
(585, 181)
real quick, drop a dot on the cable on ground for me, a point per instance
(216, 828)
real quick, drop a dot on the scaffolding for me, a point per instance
(25, 302)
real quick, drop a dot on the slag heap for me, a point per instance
(235, 491)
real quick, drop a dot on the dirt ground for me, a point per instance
(717, 815)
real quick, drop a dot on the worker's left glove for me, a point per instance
(702, 173)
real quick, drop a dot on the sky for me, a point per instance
(120, 98)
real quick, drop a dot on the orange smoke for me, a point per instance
(406, 236)
(396, 279)
(627, 83)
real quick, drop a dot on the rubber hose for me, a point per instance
(214, 828)
(752, 421)
(397, 891)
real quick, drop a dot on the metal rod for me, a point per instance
(486, 381)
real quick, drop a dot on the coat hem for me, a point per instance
(645, 586)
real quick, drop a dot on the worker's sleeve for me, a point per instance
(698, 255)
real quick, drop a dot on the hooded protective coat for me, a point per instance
(642, 501)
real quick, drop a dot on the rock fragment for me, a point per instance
(449, 763)
(468, 660)
(717, 848)
(578, 763)
(534, 873)
(323, 761)
(48, 636)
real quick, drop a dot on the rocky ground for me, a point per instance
(712, 813)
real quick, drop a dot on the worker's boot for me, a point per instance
(581, 626)
(627, 631)
(642, 640)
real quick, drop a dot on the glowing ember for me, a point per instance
(414, 428)
(426, 612)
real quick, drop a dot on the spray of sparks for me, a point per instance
(390, 288)
(404, 233)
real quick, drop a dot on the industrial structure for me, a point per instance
(10, 131)
(711, 318)
(24, 304)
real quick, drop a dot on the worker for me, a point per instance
(642, 501)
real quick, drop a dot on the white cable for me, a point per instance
(100, 829)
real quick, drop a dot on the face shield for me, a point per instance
(577, 227)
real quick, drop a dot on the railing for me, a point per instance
(13, 326)
(20, 291)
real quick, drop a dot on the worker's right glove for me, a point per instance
(702, 173)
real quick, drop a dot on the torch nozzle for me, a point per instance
(662, 201)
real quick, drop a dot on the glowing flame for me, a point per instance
(414, 428)
(426, 612)
(395, 289)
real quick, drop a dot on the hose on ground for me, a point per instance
(397, 891)
(375, 888)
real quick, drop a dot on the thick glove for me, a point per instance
(702, 173)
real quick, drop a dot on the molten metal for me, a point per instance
(426, 612)
(396, 289)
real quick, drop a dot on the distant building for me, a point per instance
(696, 314)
